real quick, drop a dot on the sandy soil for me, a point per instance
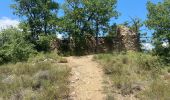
(86, 80)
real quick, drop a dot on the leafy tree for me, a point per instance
(87, 17)
(40, 15)
(44, 43)
(112, 30)
(71, 25)
(101, 11)
(159, 21)
(136, 25)
(13, 46)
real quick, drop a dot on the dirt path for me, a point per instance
(86, 79)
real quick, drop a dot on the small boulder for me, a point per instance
(9, 80)
(167, 76)
(42, 75)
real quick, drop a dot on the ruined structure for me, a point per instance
(124, 40)
(127, 39)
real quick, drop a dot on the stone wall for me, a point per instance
(127, 39)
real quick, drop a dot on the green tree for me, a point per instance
(40, 15)
(14, 46)
(87, 17)
(101, 12)
(136, 25)
(71, 25)
(159, 21)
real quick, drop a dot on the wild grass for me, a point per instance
(41, 78)
(131, 73)
(157, 90)
(50, 57)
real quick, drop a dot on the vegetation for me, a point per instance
(40, 78)
(14, 47)
(135, 74)
(30, 69)
(158, 20)
(40, 15)
(83, 18)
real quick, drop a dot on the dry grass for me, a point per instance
(41, 78)
(133, 74)
(158, 90)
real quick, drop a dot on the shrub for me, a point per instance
(43, 43)
(13, 46)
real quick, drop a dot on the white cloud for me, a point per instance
(147, 46)
(6, 22)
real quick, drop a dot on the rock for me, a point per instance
(167, 76)
(75, 80)
(42, 75)
(9, 80)
(137, 87)
(73, 94)
(127, 39)
(45, 60)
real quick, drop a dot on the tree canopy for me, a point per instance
(87, 17)
(159, 21)
(40, 15)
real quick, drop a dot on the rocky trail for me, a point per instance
(86, 80)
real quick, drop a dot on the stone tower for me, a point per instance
(127, 39)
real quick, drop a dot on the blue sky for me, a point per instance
(127, 8)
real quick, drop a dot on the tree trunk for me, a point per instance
(97, 38)
(45, 28)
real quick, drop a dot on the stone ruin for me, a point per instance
(124, 40)
(127, 39)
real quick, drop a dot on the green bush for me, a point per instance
(43, 43)
(13, 46)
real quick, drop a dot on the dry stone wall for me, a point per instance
(125, 40)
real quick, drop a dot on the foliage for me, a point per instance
(43, 43)
(84, 18)
(13, 46)
(40, 15)
(158, 20)
(42, 80)
(112, 31)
